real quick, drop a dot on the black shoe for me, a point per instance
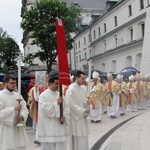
(92, 121)
(122, 114)
(98, 121)
(37, 142)
(105, 112)
(113, 117)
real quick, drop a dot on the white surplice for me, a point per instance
(11, 136)
(49, 128)
(78, 127)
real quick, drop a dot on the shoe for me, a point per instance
(122, 114)
(92, 121)
(37, 142)
(98, 121)
(113, 117)
(105, 112)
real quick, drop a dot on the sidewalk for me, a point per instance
(134, 135)
(99, 131)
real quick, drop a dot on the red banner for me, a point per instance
(64, 76)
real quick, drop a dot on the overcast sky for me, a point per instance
(10, 19)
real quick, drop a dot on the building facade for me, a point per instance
(117, 39)
(89, 9)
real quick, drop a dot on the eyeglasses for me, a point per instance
(12, 82)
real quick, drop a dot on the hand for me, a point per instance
(87, 111)
(20, 118)
(18, 107)
(60, 100)
(62, 119)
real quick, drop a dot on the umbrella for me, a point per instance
(53, 73)
(130, 69)
(1, 76)
(24, 76)
(73, 72)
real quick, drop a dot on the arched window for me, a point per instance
(128, 61)
(138, 61)
(103, 67)
(113, 66)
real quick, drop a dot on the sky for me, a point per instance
(10, 19)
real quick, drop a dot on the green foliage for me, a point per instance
(3, 33)
(40, 21)
(9, 50)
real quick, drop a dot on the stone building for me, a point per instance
(117, 39)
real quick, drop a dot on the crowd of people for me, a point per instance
(81, 100)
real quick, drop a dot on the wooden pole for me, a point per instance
(61, 105)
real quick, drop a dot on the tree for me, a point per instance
(40, 21)
(3, 33)
(9, 51)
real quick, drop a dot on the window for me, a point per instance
(131, 34)
(99, 31)
(79, 44)
(105, 45)
(143, 29)
(148, 3)
(141, 4)
(79, 57)
(84, 40)
(130, 10)
(89, 37)
(76, 46)
(105, 30)
(85, 56)
(76, 59)
(90, 53)
(115, 21)
(116, 41)
(94, 33)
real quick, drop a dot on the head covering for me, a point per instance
(87, 79)
(32, 77)
(95, 74)
(119, 76)
(109, 75)
(131, 77)
(145, 76)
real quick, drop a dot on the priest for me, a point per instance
(12, 137)
(51, 133)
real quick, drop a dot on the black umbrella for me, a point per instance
(73, 72)
(53, 73)
(130, 69)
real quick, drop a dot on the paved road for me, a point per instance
(97, 131)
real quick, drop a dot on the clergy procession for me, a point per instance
(84, 101)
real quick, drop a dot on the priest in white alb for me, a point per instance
(51, 133)
(79, 109)
(12, 137)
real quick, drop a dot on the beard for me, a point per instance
(11, 90)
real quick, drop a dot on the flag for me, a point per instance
(64, 76)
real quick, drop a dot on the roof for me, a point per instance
(88, 4)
